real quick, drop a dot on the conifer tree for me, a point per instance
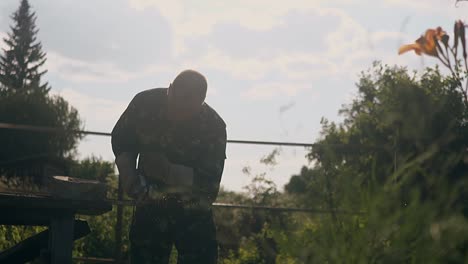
(25, 100)
(23, 57)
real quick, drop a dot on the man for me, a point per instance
(181, 144)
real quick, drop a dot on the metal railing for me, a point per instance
(120, 202)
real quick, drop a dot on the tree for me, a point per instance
(399, 157)
(20, 64)
(94, 168)
(37, 110)
(25, 101)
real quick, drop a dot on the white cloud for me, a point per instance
(349, 48)
(347, 44)
(353, 48)
(83, 71)
(198, 17)
(349, 36)
(241, 68)
(100, 113)
(383, 36)
(447, 8)
(290, 162)
(293, 65)
(415, 4)
(274, 89)
(189, 18)
(347, 54)
(99, 108)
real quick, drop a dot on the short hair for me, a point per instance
(191, 82)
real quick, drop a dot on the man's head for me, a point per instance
(186, 95)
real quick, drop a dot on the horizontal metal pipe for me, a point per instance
(96, 133)
(253, 207)
(216, 205)
(232, 141)
(94, 260)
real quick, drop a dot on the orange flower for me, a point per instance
(425, 44)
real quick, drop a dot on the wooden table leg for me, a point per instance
(61, 238)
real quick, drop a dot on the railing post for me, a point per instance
(118, 225)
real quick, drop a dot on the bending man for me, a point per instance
(180, 143)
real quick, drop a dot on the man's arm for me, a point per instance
(209, 167)
(124, 146)
(124, 132)
(132, 184)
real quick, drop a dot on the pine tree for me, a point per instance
(25, 100)
(23, 57)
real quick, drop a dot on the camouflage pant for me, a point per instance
(155, 230)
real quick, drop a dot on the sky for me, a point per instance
(275, 68)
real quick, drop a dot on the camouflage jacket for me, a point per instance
(199, 143)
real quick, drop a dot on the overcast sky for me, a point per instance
(274, 67)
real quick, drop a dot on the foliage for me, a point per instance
(94, 168)
(35, 109)
(101, 241)
(10, 235)
(246, 236)
(24, 100)
(399, 157)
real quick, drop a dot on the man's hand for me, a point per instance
(180, 179)
(155, 166)
(180, 175)
(133, 184)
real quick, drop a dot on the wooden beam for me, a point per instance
(61, 238)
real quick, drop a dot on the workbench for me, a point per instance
(44, 210)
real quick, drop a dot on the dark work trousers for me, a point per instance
(156, 229)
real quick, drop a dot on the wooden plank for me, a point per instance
(23, 209)
(84, 207)
(30, 217)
